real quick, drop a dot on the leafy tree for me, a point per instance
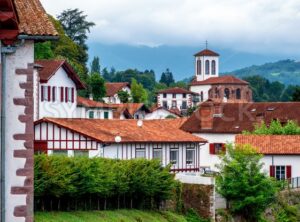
(296, 95)
(124, 96)
(167, 78)
(95, 66)
(138, 93)
(43, 51)
(76, 26)
(97, 86)
(241, 181)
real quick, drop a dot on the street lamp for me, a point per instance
(118, 140)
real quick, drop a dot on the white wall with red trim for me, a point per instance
(178, 100)
(159, 114)
(59, 98)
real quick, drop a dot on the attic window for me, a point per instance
(270, 108)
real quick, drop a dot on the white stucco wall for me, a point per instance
(20, 59)
(199, 89)
(58, 109)
(159, 114)
(204, 76)
(210, 160)
(83, 112)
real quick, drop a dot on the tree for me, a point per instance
(95, 66)
(138, 93)
(124, 96)
(167, 78)
(97, 86)
(241, 181)
(76, 26)
(296, 94)
(43, 51)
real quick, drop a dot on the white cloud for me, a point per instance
(254, 26)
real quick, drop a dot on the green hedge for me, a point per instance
(80, 183)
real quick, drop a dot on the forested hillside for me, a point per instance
(284, 71)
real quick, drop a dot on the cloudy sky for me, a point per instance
(252, 26)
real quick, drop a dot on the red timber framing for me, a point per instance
(59, 138)
(9, 24)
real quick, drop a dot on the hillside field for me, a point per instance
(108, 216)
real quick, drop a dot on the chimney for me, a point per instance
(206, 115)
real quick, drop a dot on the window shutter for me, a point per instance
(72, 95)
(288, 172)
(224, 147)
(212, 148)
(53, 93)
(49, 93)
(42, 93)
(272, 171)
(62, 94)
(66, 94)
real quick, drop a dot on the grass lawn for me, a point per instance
(108, 216)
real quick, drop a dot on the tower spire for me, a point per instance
(206, 44)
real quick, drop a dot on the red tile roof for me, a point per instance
(113, 88)
(172, 111)
(50, 67)
(220, 80)
(237, 117)
(176, 90)
(92, 104)
(33, 19)
(272, 144)
(206, 52)
(131, 107)
(152, 131)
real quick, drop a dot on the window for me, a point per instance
(165, 104)
(157, 154)
(207, 67)
(81, 153)
(62, 94)
(174, 104)
(140, 151)
(217, 148)
(106, 115)
(226, 93)
(45, 93)
(69, 94)
(174, 156)
(213, 67)
(91, 114)
(184, 95)
(174, 96)
(198, 67)
(184, 105)
(238, 94)
(281, 172)
(190, 156)
(201, 96)
(165, 95)
(60, 152)
(54, 94)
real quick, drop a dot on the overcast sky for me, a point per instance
(259, 26)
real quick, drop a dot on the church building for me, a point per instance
(209, 85)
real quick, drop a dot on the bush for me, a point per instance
(192, 216)
(80, 183)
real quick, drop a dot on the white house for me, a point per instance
(112, 89)
(176, 99)
(209, 85)
(22, 23)
(219, 123)
(120, 139)
(56, 94)
(281, 154)
(162, 113)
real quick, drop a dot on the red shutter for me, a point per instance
(212, 148)
(272, 171)
(62, 94)
(49, 93)
(288, 172)
(72, 95)
(53, 93)
(66, 94)
(42, 93)
(224, 148)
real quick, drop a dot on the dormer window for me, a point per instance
(213, 67)
(199, 67)
(207, 67)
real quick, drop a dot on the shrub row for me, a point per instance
(80, 183)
